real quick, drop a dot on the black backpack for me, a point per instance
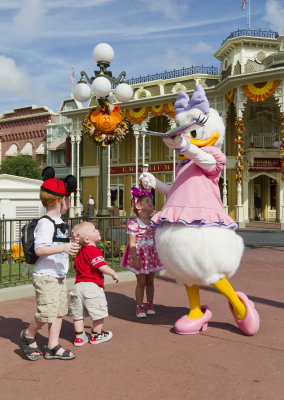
(28, 240)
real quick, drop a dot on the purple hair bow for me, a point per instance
(139, 192)
(198, 100)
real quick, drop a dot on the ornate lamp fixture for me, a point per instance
(103, 79)
(104, 123)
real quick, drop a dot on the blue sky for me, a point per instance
(41, 39)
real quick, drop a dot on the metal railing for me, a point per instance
(176, 73)
(12, 262)
(252, 32)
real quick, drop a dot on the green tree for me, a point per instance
(21, 166)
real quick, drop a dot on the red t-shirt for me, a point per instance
(87, 262)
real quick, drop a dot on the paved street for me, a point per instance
(146, 359)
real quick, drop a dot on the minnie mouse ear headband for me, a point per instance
(198, 100)
(138, 193)
(56, 186)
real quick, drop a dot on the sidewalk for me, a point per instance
(262, 226)
(146, 359)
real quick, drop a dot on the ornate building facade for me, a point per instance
(248, 92)
(23, 131)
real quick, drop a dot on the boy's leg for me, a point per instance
(54, 329)
(98, 325)
(31, 332)
(78, 325)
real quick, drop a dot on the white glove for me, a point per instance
(178, 142)
(148, 180)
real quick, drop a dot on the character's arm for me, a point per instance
(183, 145)
(150, 182)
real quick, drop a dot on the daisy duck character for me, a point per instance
(195, 238)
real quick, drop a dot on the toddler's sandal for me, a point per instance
(28, 350)
(51, 354)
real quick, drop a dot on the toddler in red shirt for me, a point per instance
(88, 297)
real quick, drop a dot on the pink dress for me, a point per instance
(194, 198)
(145, 248)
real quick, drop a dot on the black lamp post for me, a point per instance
(102, 84)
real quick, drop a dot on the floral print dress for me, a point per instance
(145, 248)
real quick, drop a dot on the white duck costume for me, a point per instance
(195, 238)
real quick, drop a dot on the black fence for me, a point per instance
(12, 261)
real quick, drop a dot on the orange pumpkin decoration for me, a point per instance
(105, 123)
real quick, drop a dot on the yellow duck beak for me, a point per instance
(202, 143)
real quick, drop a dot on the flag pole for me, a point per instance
(249, 15)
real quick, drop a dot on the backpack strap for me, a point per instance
(63, 227)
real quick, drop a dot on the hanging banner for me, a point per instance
(260, 91)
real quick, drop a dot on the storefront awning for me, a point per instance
(12, 151)
(57, 144)
(27, 150)
(40, 149)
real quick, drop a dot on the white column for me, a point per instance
(136, 134)
(239, 208)
(173, 125)
(108, 177)
(225, 198)
(143, 147)
(77, 205)
(281, 202)
(72, 208)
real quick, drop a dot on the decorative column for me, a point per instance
(239, 124)
(73, 140)
(282, 171)
(173, 125)
(136, 134)
(225, 198)
(77, 205)
(108, 177)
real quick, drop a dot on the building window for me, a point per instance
(59, 157)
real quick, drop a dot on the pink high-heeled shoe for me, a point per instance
(187, 326)
(250, 324)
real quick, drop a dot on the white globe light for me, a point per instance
(103, 52)
(82, 92)
(101, 86)
(123, 92)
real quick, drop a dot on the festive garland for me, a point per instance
(260, 91)
(282, 146)
(240, 128)
(157, 110)
(170, 109)
(137, 115)
(230, 96)
(91, 126)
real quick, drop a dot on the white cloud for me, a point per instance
(202, 47)
(15, 80)
(275, 15)
(169, 8)
(30, 17)
(172, 59)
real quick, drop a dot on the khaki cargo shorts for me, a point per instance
(51, 298)
(88, 299)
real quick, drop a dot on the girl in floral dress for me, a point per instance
(140, 255)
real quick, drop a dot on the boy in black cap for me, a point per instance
(49, 274)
